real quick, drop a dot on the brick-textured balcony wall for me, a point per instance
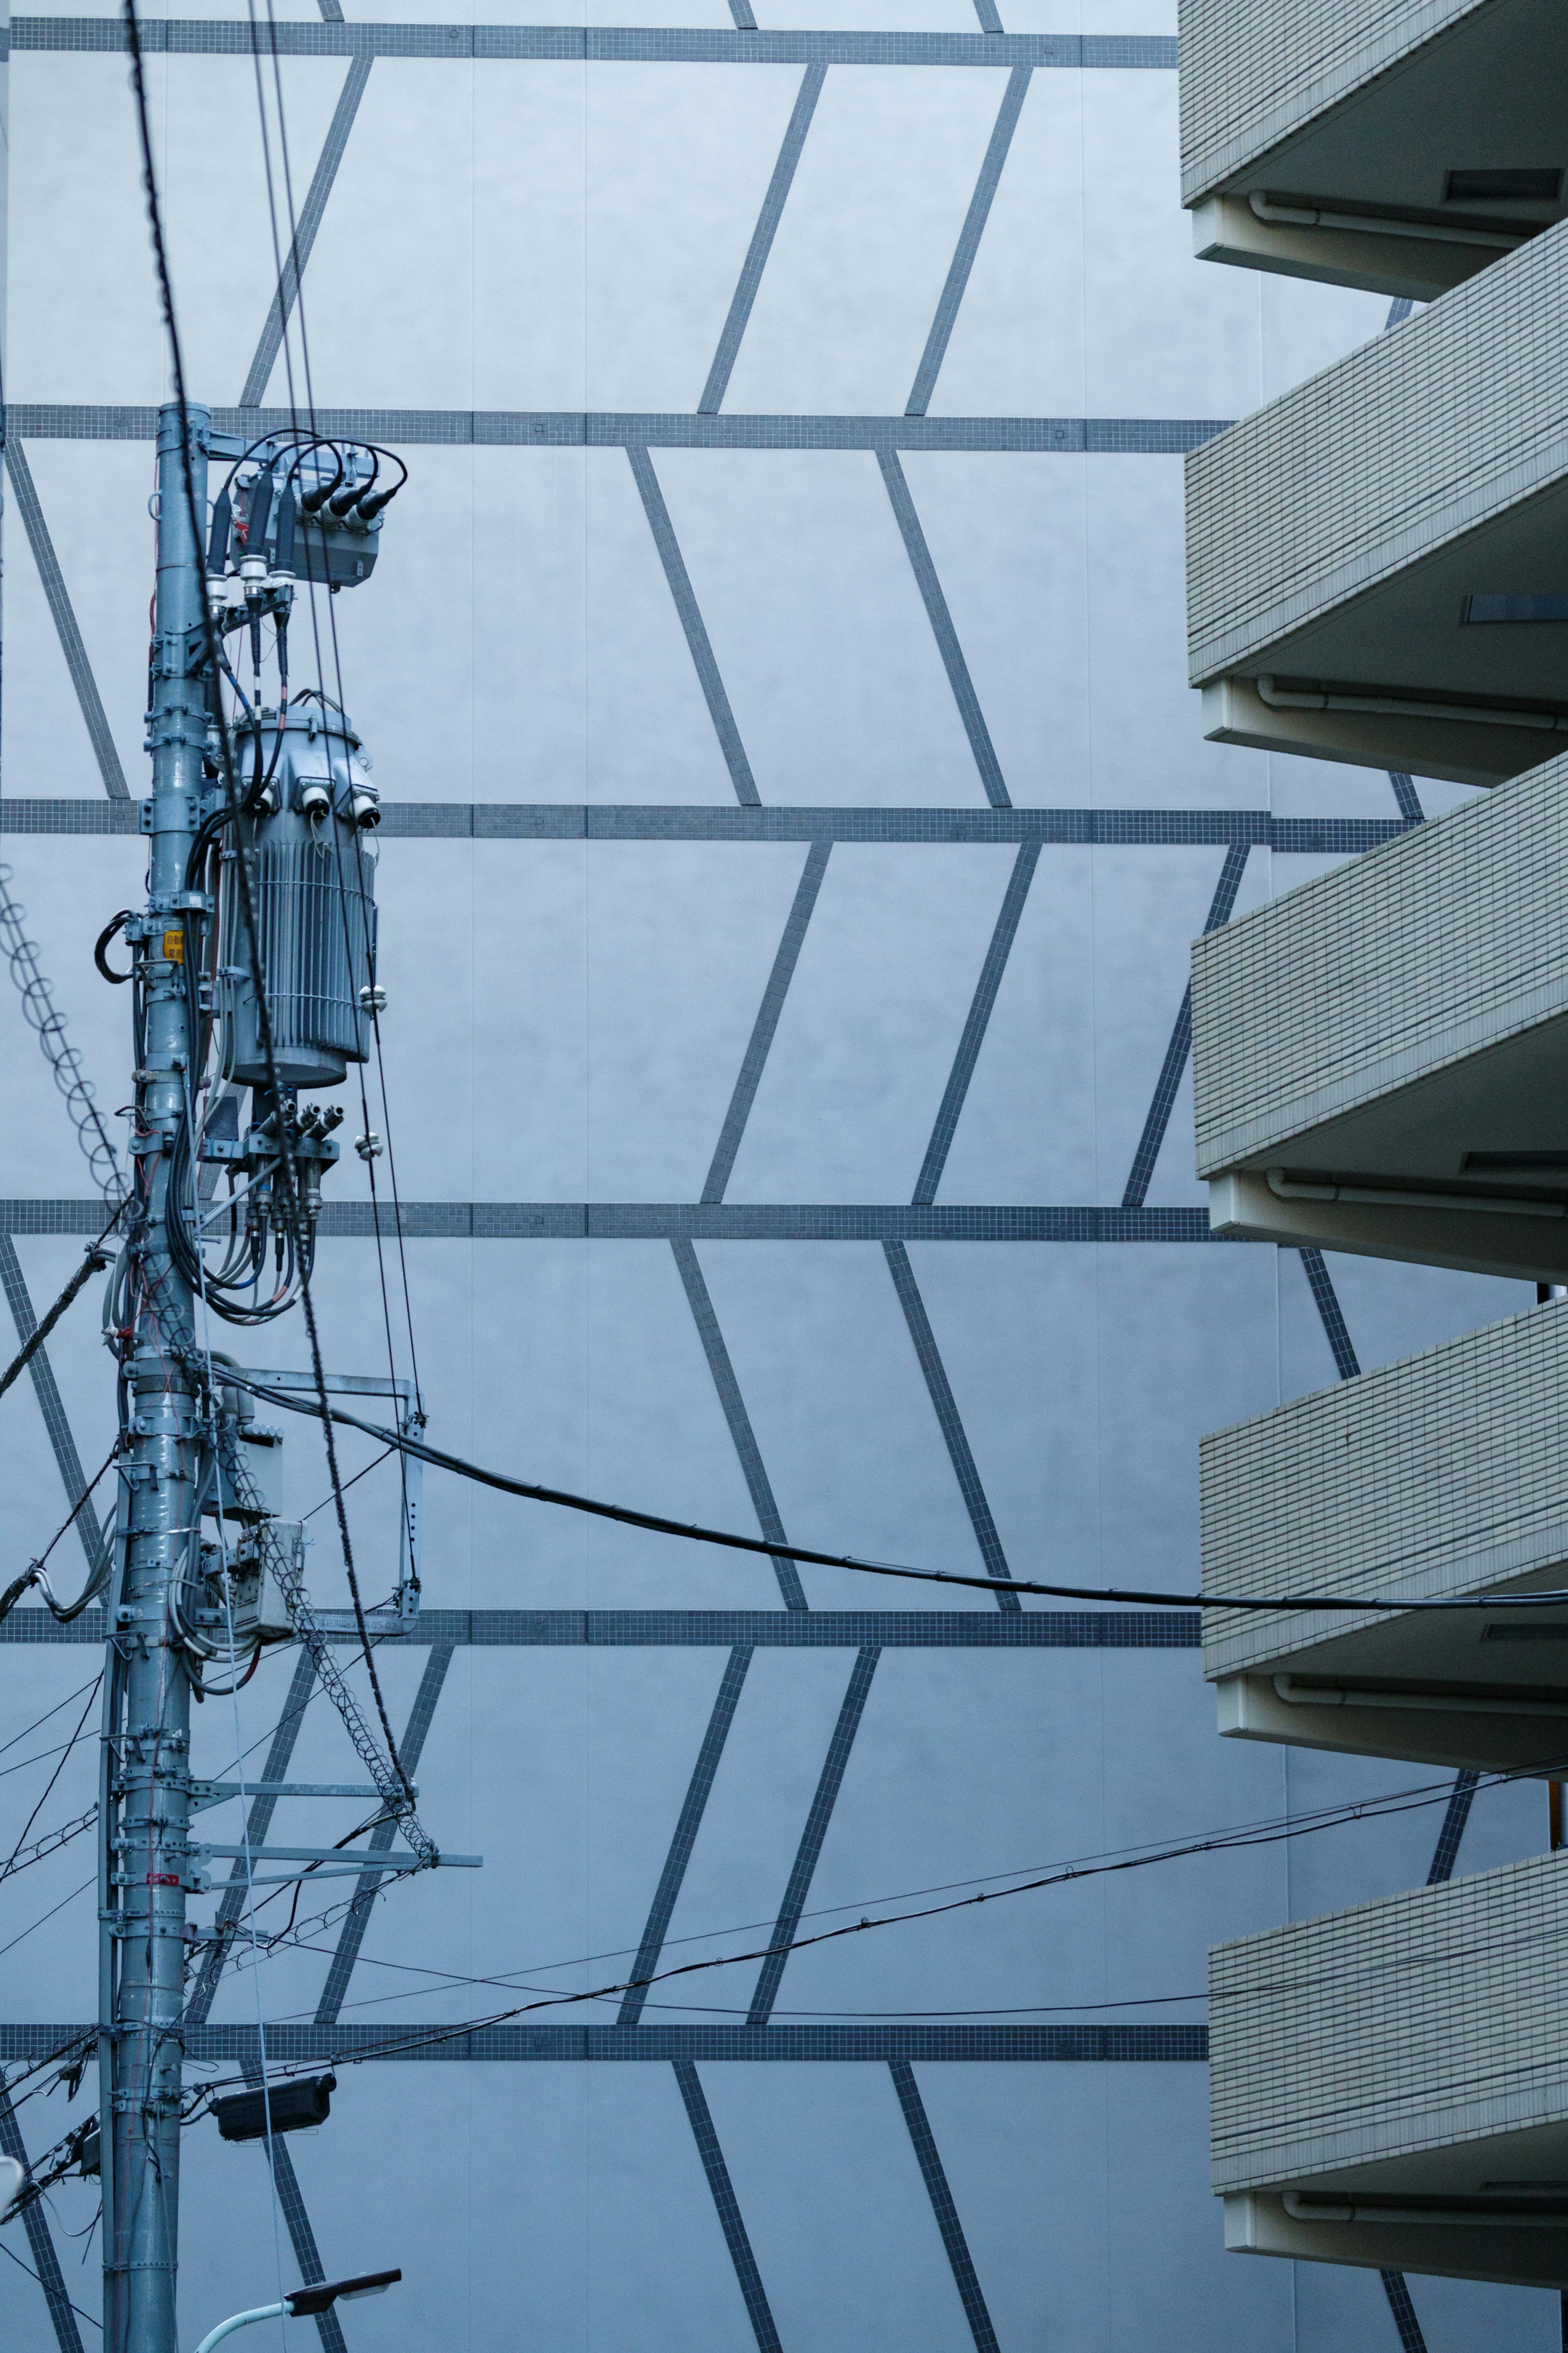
(1441, 942)
(1434, 1476)
(1408, 2024)
(1380, 460)
(1252, 76)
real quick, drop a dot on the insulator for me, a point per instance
(315, 797)
(373, 999)
(365, 807)
(369, 1148)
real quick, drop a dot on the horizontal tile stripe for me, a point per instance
(570, 429)
(1106, 828)
(702, 1221)
(778, 1630)
(290, 2045)
(605, 44)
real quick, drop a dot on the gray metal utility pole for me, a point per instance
(146, 1860)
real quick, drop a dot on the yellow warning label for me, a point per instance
(174, 946)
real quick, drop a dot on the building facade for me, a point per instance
(796, 822)
(1375, 576)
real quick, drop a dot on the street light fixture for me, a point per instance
(300, 2302)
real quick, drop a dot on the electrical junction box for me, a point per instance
(260, 1610)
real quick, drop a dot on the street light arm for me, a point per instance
(240, 2320)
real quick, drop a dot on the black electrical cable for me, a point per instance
(530, 1491)
(10, 1864)
(93, 1264)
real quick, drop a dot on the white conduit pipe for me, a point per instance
(1455, 1704)
(1263, 209)
(1379, 1196)
(1508, 2218)
(1394, 706)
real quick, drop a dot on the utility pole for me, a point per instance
(145, 1870)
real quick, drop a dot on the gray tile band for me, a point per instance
(659, 1221)
(945, 1407)
(607, 44)
(767, 1021)
(298, 256)
(686, 1828)
(691, 622)
(758, 1484)
(1141, 1172)
(302, 2237)
(1108, 829)
(40, 2237)
(954, 1093)
(570, 429)
(779, 1629)
(60, 612)
(808, 1854)
(1410, 2338)
(258, 1822)
(763, 237)
(69, 1462)
(1456, 1815)
(396, 2043)
(942, 629)
(973, 229)
(933, 2174)
(1326, 1300)
(350, 1936)
(731, 2223)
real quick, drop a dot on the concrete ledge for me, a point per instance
(1227, 228)
(1463, 752)
(1256, 2224)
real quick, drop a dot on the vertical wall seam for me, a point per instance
(980, 1010)
(913, 536)
(933, 2173)
(767, 229)
(945, 1406)
(350, 1936)
(730, 2220)
(309, 221)
(61, 612)
(686, 1828)
(752, 1468)
(259, 1822)
(970, 235)
(816, 1831)
(40, 2237)
(302, 2237)
(691, 621)
(1141, 1175)
(67, 1460)
(767, 1021)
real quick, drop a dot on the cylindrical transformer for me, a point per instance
(309, 850)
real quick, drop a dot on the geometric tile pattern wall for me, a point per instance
(797, 820)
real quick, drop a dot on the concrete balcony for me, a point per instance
(1380, 1059)
(1399, 146)
(1377, 564)
(1443, 1476)
(1389, 2084)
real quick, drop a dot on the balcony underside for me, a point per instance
(1404, 676)
(1484, 97)
(1257, 2223)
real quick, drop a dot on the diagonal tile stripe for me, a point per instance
(1140, 1174)
(259, 1822)
(940, 1390)
(40, 2238)
(763, 236)
(691, 621)
(758, 1484)
(302, 2237)
(309, 221)
(933, 2174)
(1346, 1362)
(66, 1459)
(61, 613)
(980, 1010)
(974, 230)
(730, 2217)
(686, 1830)
(1410, 2338)
(1456, 1815)
(946, 636)
(810, 1850)
(767, 1021)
